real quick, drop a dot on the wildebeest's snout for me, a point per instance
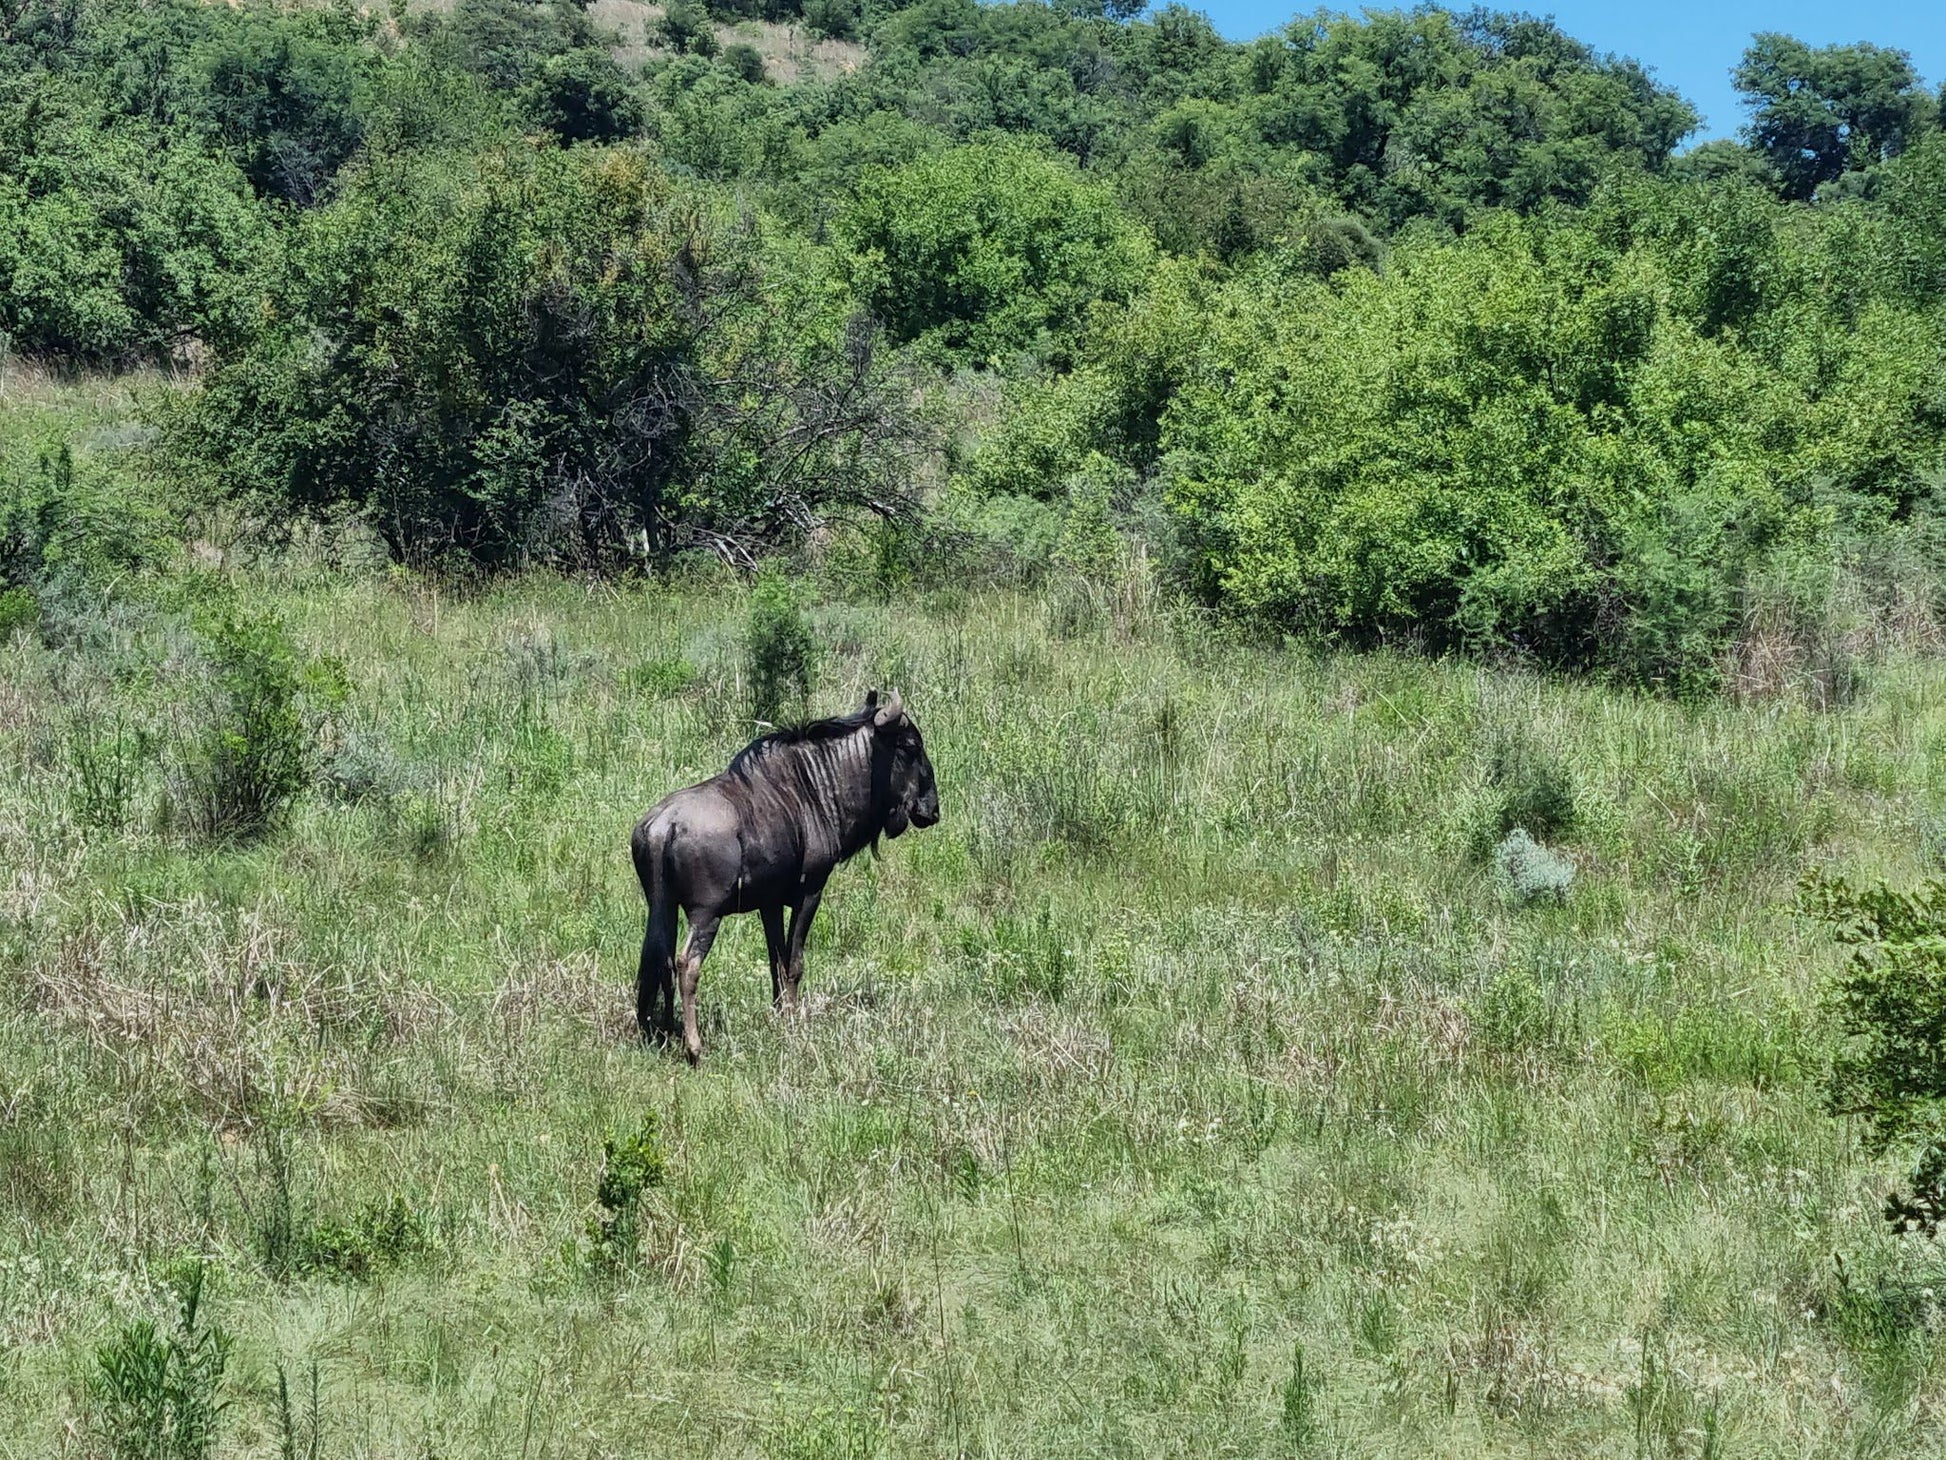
(926, 812)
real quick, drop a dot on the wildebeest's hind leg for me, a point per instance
(702, 932)
(801, 917)
(773, 917)
(657, 973)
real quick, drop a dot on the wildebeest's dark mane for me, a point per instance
(811, 732)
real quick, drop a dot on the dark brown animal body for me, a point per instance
(764, 837)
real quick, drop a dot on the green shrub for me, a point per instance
(660, 678)
(1726, 1043)
(1299, 1417)
(1533, 788)
(1570, 439)
(983, 250)
(257, 749)
(377, 1236)
(631, 1165)
(880, 561)
(19, 609)
(282, 91)
(540, 759)
(118, 242)
(779, 653)
(685, 29)
(154, 1392)
(746, 61)
(505, 43)
(582, 96)
(1890, 1004)
(1089, 546)
(1517, 1015)
(105, 762)
(1021, 958)
(560, 354)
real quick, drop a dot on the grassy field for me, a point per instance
(1198, 1087)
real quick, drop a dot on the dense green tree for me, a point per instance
(506, 42)
(988, 249)
(516, 353)
(114, 244)
(582, 96)
(1592, 438)
(685, 28)
(1819, 112)
(285, 99)
(1428, 113)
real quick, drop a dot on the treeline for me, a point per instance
(1414, 326)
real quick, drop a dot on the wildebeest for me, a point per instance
(764, 836)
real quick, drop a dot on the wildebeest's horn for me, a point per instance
(871, 699)
(890, 713)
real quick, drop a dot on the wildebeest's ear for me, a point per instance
(890, 713)
(871, 699)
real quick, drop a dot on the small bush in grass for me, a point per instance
(1729, 1042)
(154, 1392)
(660, 678)
(257, 750)
(377, 1236)
(631, 1164)
(1518, 1015)
(540, 760)
(1890, 1002)
(105, 758)
(1530, 872)
(1022, 957)
(826, 1432)
(19, 609)
(1299, 1420)
(779, 654)
(363, 767)
(1534, 790)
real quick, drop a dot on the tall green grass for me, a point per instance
(1194, 1088)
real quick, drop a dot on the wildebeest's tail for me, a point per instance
(650, 849)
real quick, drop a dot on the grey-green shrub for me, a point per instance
(1531, 872)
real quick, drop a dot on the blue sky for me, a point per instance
(1689, 44)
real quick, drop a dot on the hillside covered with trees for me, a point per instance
(1411, 327)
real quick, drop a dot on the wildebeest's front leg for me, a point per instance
(801, 915)
(702, 932)
(773, 916)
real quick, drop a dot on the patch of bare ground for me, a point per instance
(791, 53)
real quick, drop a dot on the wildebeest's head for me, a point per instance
(910, 795)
